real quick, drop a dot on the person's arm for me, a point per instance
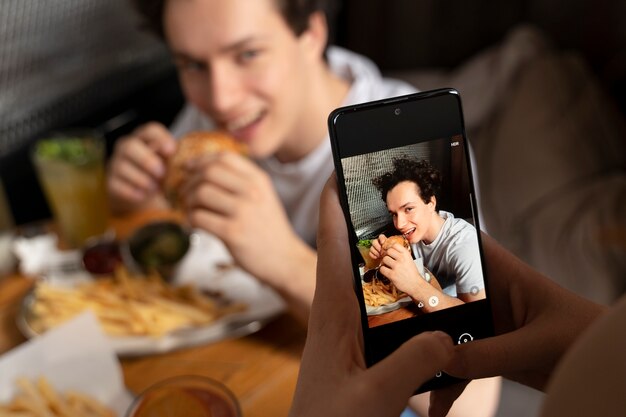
(229, 196)
(480, 398)
(137, 167)
(536, 321)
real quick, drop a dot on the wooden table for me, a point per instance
(261, 369)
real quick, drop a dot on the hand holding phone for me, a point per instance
(536, 319)
(334, 380)
(406, 187)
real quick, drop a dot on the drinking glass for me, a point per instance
(70, 166)
(187, 395)
(364, 250)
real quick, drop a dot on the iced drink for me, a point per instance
(71, 172)
(364, 246)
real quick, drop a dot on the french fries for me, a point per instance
(40, 399)
(127, 305)
(376, 294)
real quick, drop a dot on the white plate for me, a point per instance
(204, 267)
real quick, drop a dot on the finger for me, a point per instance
(394, 253)
(332, 245)
(215, 172)
(335, 311)
(377, 246)
(158, 138)
(126, 190)
(386, 271)
(126, 171)
(518, 352)
(211, 222)
(441, 400)
(135, 152)
(212, 198)
(413, 363)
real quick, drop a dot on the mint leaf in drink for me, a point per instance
(76, 150)
(366, 243)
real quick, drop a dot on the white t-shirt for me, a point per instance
(453, 257)
(299, 184)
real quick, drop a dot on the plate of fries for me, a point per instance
(382, 298)
(142, 314)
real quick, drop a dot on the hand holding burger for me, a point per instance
(195, 145)
(382, 244)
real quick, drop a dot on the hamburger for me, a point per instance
(195, 145)
(391, 240)
(428, 276)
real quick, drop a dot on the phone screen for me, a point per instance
(407, 192)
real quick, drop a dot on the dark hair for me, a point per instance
(424, 175)
(295, 12)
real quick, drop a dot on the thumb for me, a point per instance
(413, 363)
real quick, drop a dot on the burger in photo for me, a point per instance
(374, 272)
(392, 240)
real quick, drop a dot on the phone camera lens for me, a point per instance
(397, 111)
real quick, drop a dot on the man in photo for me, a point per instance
(447, 245)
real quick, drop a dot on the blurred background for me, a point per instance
(88, 63)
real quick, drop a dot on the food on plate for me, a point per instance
(191, 146)
(128, 305)
(376, 293)
(41, 399)
(377, 289)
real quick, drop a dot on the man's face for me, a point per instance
(411, 216)
(241, 64)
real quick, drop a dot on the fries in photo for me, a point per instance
(376, 293)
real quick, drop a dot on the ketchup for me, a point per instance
(102, 258)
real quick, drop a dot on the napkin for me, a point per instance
(76, 356)
(39, 256)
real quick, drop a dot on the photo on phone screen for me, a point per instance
(415, 198)
(407, 192)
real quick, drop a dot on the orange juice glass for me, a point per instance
(71, 170)
(364, 249)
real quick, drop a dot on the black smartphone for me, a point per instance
(406, 188)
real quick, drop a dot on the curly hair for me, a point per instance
(427, 178)
(295, 12)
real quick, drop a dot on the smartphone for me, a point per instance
(406, 189)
